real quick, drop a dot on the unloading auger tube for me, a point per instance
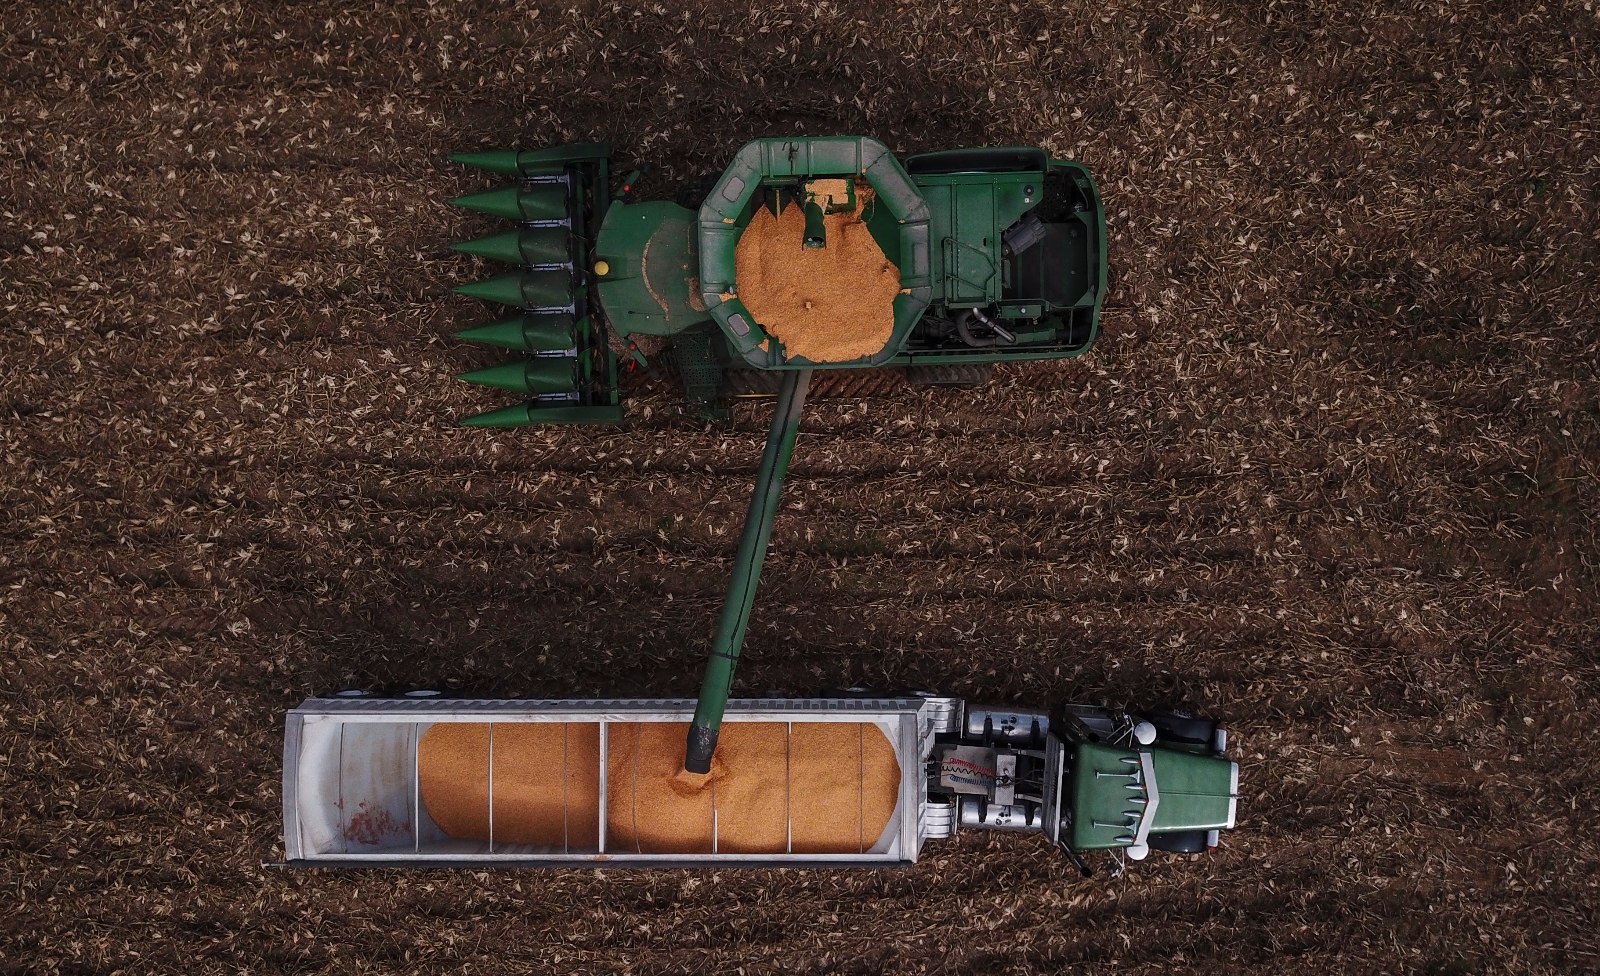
(718, 681)
(1000, 253)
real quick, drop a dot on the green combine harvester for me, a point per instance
(1000, 252)
(804, 254)
(1000, 255)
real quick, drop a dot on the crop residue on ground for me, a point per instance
(1330, 475)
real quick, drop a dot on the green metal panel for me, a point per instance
(1110, 796)
(648, 250)
(972, 251)
(1196, 791)
(1021, 310)
(1102, 798)
(986, 159)
(968, 213)
(885, 229)
(1060, 316)
(528, 333)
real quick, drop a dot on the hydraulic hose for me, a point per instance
(1000, 337)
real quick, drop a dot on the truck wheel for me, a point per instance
(956, 376)
(1182, 842)
(1181, 728)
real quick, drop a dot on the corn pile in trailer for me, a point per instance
(370, 781)
(807, 787)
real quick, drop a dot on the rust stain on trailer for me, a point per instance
(368, 826)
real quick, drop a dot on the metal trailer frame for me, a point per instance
(909, 723)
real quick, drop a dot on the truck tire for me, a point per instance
(955, 376)
(1182, 842)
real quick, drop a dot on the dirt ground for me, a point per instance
(1330, 475)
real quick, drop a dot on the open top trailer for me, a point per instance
(814, 781)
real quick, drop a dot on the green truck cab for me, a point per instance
(1161, 784)
(1091, 778)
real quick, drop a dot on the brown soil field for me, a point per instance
(1330, 475)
